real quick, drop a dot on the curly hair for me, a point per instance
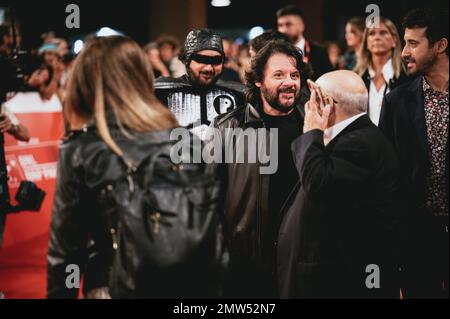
(258, 65)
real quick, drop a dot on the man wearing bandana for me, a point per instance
(199, 96)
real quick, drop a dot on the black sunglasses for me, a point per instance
(204, 59)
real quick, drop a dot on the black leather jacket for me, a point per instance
(80, 230)
(247, 200)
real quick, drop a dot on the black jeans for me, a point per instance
(426, 272)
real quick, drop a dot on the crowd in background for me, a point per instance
(50, 64)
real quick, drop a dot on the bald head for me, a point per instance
(348, 89)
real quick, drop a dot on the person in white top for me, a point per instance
(380, 64)
(379, 87)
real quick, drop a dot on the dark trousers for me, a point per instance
(426, 270)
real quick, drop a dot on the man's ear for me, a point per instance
(442, 45)
(258, 84)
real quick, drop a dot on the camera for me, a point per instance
(24, 65)
(29, 198)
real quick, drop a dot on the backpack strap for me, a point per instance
(131, 169)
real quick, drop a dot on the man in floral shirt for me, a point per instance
(415, 117)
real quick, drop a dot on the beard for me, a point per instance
(204, 79)
(273, 97)
(420, 67)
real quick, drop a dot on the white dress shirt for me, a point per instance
(301, 45)
(376, 97)
(331, 132)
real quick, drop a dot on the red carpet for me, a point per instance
(23, 270)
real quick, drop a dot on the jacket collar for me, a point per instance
(252, 114)
(387, 71)
(332, 132)
(359, 123)
(415, 109)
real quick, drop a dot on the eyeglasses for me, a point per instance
(210, 60)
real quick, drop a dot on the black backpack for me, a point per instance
(165, 225)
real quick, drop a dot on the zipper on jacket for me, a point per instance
(258, 207)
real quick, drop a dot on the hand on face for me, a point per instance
(38, 78)
(317, 115)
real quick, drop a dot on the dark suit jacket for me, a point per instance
(403, 122)
(319, 61)
(343, 218)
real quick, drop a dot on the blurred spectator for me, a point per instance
(63, 47)
(46, 80)
(257, 43)
(235, 50)
(169, 48)
(380, 64)
(334, 54)
(50, 38)
(244, 61)
(8, 121)
(353, 35)
(9, 82)
(230, 67)
(53, 69)
(153, 55)
(49, 53)
(290, 22)
(47, 37)
(6, 40)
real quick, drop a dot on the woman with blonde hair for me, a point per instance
(354, 30)
(380, 64)
(106, 167)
